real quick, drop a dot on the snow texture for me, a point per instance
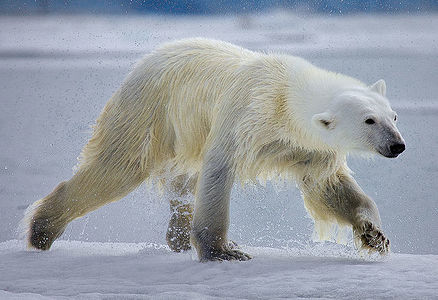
(91, 270)
(56, 74)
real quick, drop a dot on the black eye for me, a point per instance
(370, 121)
(395, 118)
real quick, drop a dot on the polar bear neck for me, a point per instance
(311, 90)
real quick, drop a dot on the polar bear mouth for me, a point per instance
(388, 155)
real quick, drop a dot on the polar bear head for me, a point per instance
(361, 120)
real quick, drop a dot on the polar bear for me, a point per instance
(197, 114)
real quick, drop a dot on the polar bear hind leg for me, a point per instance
(105, 174)
(181, 209)
(88, 190)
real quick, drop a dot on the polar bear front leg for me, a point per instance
(212, 205)
(367, 226)
(340, 198)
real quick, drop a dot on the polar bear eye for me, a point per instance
(395, 118)
(370, 121)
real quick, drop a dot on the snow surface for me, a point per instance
(90, 270)
(56, 74)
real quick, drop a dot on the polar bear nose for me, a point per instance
(397, 148)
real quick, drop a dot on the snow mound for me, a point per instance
(91, 270)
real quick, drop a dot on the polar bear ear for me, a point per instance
(324, 120)
(379, 87)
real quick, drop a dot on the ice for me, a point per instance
(140, 271)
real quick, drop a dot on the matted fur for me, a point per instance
(209, 109)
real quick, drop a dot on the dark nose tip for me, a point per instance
(397, 148)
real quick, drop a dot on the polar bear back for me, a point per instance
(172, 94)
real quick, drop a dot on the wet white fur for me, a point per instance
(210, 110)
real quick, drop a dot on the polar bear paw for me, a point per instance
(371, 238)
(228, 251)
(178, 232)
(43, 233)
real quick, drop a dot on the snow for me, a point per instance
(91, 270)
(57, 72)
